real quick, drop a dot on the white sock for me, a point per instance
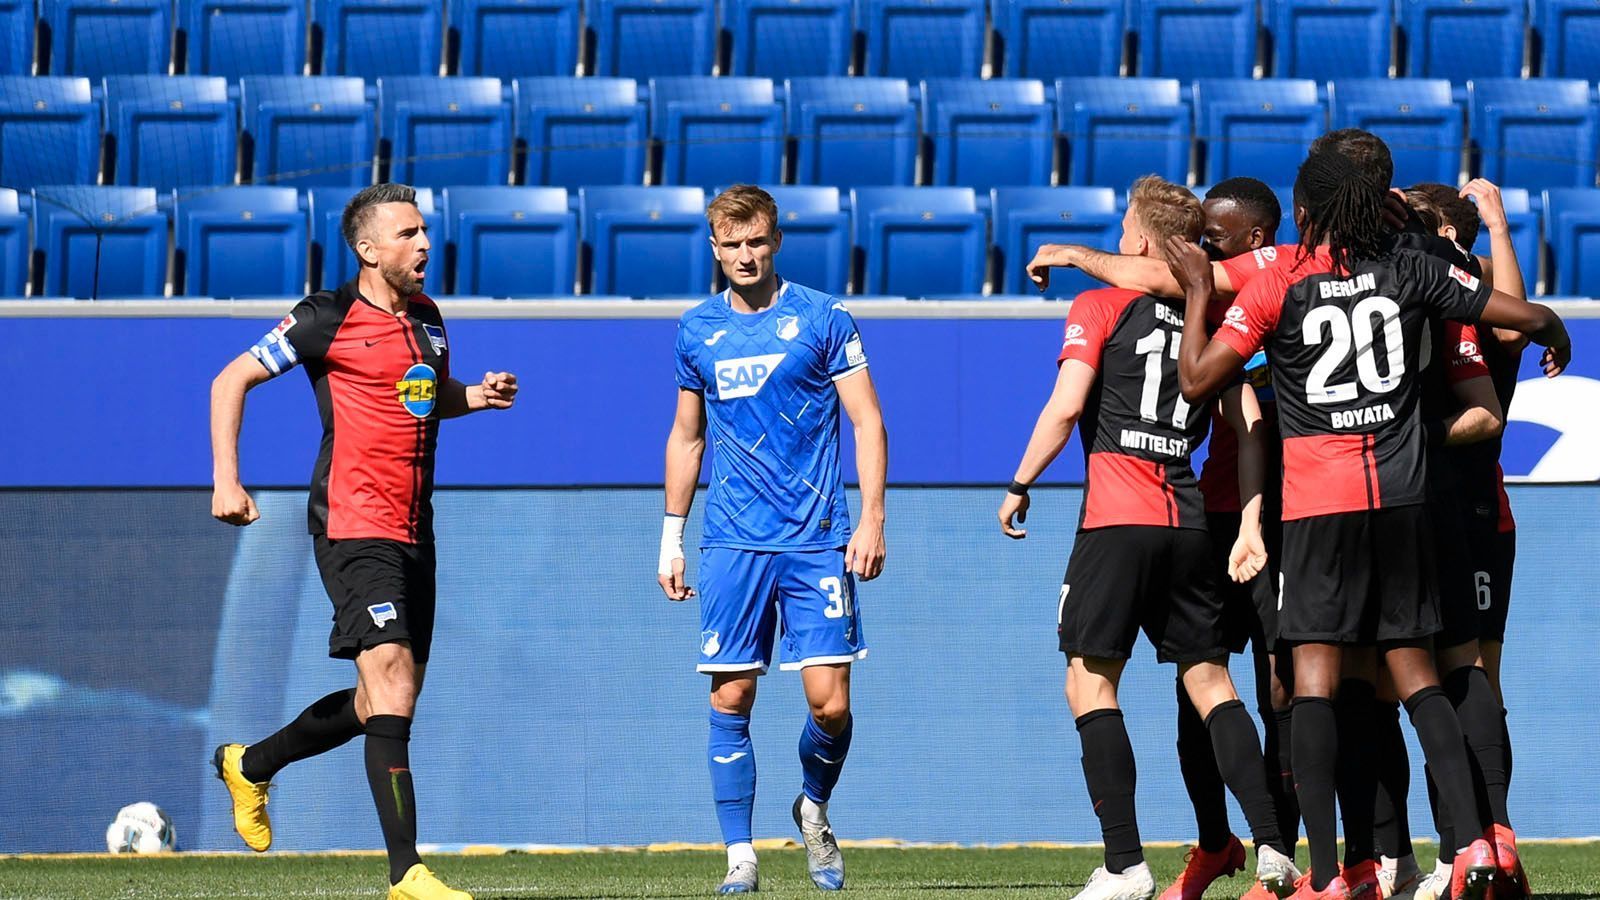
(813, 812)
(742, 852)
(1443, 869)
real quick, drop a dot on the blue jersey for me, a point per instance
(773, 417)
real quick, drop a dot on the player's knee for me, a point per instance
(734, 698)
(831, 713)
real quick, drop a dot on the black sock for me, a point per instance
(1484, 727)
(389, 776)
(1439, 733)
(1279, 747)
(1109, 772)
(1316, 755)
(1391, 825)
(328, 723)
(1357, 775)
(1441, 823)
(1233, 741)
(1198, 764)
(1505, 724)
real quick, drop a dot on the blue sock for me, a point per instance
(732, 759)
(822, 757)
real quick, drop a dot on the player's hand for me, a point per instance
(1046, 258)
(865, 553)
(1490, 207)
(499, 390)
(1190, 265)
(232, 504)
(1555, 360)
(1015, 506)
(673, 584)
(1248, 557)
(1397, 213)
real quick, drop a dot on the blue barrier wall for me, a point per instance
(562, 705)
(123, 402)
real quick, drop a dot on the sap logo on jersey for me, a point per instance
(418, 390)
(745, 376)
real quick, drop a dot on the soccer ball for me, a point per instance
(141, 828)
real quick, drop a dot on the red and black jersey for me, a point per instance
(1477, 465)
(1345, 351)
(376, 377)
(1136, 428)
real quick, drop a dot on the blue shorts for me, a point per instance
(746, 594)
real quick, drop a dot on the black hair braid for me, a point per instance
(1344, 209)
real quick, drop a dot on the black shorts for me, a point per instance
(1456, 564)
(382, 592)
(1249, 610)
(1495, 553)
(1127, 577)
(1359, 577)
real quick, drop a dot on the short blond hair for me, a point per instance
(1166, 210)
(744, 203)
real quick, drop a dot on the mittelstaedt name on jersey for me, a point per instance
(1366, 415)
(744, 377)
(1153, 443)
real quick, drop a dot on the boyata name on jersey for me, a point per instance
(1360, 418)
(1153, 443)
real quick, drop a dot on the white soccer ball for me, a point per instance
(141, 828)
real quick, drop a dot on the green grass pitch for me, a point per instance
(1558, 871)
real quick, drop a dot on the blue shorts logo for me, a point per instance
(710, 643)
(417, 390)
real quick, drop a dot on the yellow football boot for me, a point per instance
(249, 799)
(421, 884)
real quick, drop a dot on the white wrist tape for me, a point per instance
(671, 542)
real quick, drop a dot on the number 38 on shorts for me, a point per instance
(749, 597)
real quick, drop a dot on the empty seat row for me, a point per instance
(1321, 39)
(626, 241)
(183, 132)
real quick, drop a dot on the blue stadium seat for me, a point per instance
(171, 131)
(1462, 39)
(234, 38)
(646, 241)
(716, 130)
(1572, 228)
(511, 38)
(1535, 134)
(13, 245)
(1524, 224)
(1120, 128)
(444, 131)
(1415, 117)
(1051, 39)
(49, 131)
(120, 229)
(16, 37)
(923, 38)
(333, 263)
(96, 38)
(1257, 128)
(850, 131)
(1026, 218)
(789, 38)
(577, 131)
(510, 241)
(307, 132)
(1189, 39)
(919, 242)
(242, 242)
(1569, 38)
(645, 38)
(816, 237)
(379, 38)
(991, 133)
(1323, 39)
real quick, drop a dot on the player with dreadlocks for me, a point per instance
(1343, 333)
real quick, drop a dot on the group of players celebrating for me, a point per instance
(1359, 534)
(1350, 523)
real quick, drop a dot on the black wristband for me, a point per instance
(1018, 488)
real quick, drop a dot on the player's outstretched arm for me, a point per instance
(229, 501)
(1050, 435)
(1500, 266)
(686, 446)
(1135, 273)
(1204, 366)
(1538, 322)
(866, 552)
(1242, 412)
(498, 390)
(1480, 418)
